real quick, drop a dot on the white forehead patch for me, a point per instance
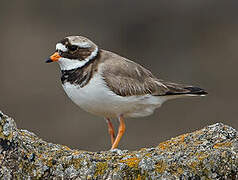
(61, 47)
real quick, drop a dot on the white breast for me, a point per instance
(98, 99)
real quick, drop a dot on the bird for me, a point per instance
(111, 86)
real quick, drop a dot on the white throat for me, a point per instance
(69, 64)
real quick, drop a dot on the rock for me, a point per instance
(209, 153)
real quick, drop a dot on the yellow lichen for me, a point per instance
(201, 156)
(148, 155)
(66, 148)
(197, 142)
(173, 141)
(2, 136)
(76, 163)
(9, 137)
(101, 167)
(193, 165)
(131, 162)
(224, 144)
(160, 166)
(140, 177)
(75, 152)
(164, 145)
(180, 170)
(49, 162)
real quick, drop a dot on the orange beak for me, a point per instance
(53, 58)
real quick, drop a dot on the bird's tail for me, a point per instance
(196, 91)
(179, 89)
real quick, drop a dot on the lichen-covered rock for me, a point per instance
(209, 153)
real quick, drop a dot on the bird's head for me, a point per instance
(74, 52)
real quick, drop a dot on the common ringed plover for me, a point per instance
(108, 85)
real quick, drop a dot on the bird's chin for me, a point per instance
(69, 64)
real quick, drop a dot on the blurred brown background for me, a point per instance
(192, 42)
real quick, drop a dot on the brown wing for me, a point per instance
(126, 78)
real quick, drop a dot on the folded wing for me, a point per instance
(126, 78)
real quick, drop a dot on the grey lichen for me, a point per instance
(209, 153)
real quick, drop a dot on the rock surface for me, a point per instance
(209, 153)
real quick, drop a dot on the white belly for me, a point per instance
(98, 99)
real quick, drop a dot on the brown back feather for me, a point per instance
(127, 78)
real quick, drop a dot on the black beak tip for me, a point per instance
(48, 60)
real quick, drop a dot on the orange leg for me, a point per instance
(111, 130)
(120, 133)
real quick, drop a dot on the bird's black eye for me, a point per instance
(72, 47)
